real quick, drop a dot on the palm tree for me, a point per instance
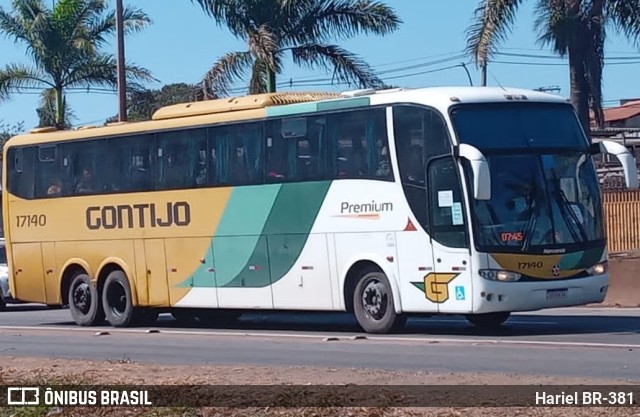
(64, 45)
(573, 28)
(47, 110)
(302, 28)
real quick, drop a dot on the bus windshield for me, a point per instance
(541, 200)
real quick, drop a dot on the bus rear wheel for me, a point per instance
(118, 303)
(373, 304)
(488, 320)
(84, 301)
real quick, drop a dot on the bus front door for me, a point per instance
(450, 284)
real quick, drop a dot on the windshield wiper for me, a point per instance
(533, 219)
(568, 208)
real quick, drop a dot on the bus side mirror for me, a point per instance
(480, 168)
(626, 159)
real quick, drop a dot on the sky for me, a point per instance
(182, 43)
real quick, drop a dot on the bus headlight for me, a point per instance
(499, 275)
(598, 269)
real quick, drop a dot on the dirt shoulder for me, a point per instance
(624, 280)
(19, 370)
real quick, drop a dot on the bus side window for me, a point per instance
(131, 164)
(420, 135)
(359, 146)
(238, 150)
(49, 173)
(295, 149)
(22, 172)
(179, 159)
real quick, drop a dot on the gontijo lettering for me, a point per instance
(138, 216)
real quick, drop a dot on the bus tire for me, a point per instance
(3, 304)
(488, 320)
(118, 302)
(373, 304)
(84, 301)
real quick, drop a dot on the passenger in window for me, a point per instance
(55, 189)
(342, 163)
(415, 166)
(277, 167)
(239, 170)
(358, 160)
(384, 161)
(173, 177)
(86, 184)
(201, 175)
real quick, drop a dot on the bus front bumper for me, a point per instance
(527, 296)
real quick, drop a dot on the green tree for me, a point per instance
(47, 110)
(302, 28)
(573, 28)
(64, 44)
(7, 131)
(142, 104)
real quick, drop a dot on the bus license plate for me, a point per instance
(557, 294)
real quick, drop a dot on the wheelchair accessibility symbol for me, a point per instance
(460, 293)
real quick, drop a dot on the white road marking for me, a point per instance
(346, 337)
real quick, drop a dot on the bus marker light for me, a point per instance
(410, 227)
(307, 268)
(390, 258)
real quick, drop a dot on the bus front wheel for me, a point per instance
(118, 302)
(84, 301)
(488, 320)
(373, 304)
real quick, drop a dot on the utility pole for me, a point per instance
(122, 80)
(483, 69)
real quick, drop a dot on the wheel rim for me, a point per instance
(117, 299)
(374, 300)
(82, 298)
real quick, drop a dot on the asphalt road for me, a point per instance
(586, 342)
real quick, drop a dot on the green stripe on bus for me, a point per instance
(275, 111)
(240, 228)
(293, 214)
(343, 104)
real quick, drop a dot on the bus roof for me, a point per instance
(284, 103)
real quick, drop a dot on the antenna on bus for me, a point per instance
(497, 82)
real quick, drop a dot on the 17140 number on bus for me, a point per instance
(31, 220)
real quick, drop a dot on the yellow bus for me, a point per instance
(473, 201)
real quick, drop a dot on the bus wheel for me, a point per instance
(488, 320)
(373, 304)
(117, 301)
(84, 301)
(3, 303)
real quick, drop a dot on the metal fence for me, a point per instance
(622, 219)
